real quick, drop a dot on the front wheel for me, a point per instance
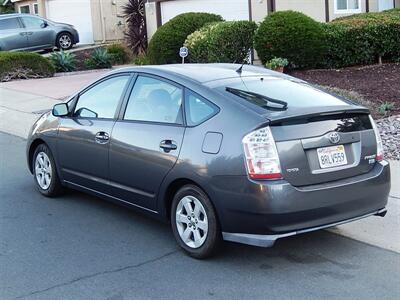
(194, 222)
(45, 173)
(64, 41)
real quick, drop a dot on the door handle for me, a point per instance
(29, 33)
(168, 145)
(102, 137)
(22, 33)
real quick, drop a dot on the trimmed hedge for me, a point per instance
(363, 39)
(23, 65)
(291, 35)
(221, 42)
(166, 41)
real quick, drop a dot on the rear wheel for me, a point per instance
(64, 41)
(194, 222)
(45, 173)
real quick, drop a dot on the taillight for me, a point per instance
(379, 145)
(262, 159)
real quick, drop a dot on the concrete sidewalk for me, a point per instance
(22, 102)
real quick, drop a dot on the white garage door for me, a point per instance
(231, 10)
(385, 4)
(74, 12)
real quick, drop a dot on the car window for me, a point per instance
(154, 100)
(10, 23)
(101, 101)
(198, 109)
(32, 22)
(295, 93)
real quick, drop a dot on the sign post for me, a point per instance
(183, 52)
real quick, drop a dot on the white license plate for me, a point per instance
(331, 156)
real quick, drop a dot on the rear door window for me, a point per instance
(198, 109)
(10, 23)
(155, 100)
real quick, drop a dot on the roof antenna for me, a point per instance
(239, 70)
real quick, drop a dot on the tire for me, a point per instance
(64, 41)
(198, 241)
(44, 168)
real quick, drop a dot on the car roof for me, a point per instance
(204, 73)
(4, 16)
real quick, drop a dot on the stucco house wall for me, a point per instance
(313, 8)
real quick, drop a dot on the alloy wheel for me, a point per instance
(43, 170)
(65, 41)
(191, 221)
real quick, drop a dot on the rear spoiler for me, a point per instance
(312, 112)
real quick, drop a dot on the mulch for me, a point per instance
(376, 83)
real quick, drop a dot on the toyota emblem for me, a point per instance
(334, 137)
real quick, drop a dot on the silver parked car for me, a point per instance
(20, 32)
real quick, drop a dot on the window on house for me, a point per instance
(347, 6)
(36, 8)
(24, 9)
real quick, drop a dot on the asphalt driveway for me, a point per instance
(81, 247)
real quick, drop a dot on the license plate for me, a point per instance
(331, 156)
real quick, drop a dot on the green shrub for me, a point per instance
(63, 61)
(224, 42)
(363, 39)
(119, 54)
(100, 59)
(276, 63)
(23, 65)
(166, 41)
(292, 35)
(141, 60)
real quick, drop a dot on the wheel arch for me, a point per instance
(31, 151)
(172, 189)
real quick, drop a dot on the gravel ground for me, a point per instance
(390, 133)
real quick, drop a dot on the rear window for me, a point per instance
(296, 94)
(10, 23)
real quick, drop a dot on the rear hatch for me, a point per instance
(326, 146)
(319, 137)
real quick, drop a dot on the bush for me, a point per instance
(363, 39)
(276, 63)
(224, 42)
(141, 60)
(23, 65)
(166, 41)
(100, 59)
(292, 35)
(63, 61)
(119, 54)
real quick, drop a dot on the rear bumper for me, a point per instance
(266, 240)
(265, 211)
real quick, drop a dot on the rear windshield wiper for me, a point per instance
(258, 99)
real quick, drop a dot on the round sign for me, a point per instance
(183, 52)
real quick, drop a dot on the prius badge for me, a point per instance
(334, 137)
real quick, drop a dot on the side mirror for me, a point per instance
(60, 110)
(44, 24)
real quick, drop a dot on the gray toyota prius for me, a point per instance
(221, 151)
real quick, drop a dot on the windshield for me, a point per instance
(295, 94)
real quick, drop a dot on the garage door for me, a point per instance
(75, 12)
(235, 10)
